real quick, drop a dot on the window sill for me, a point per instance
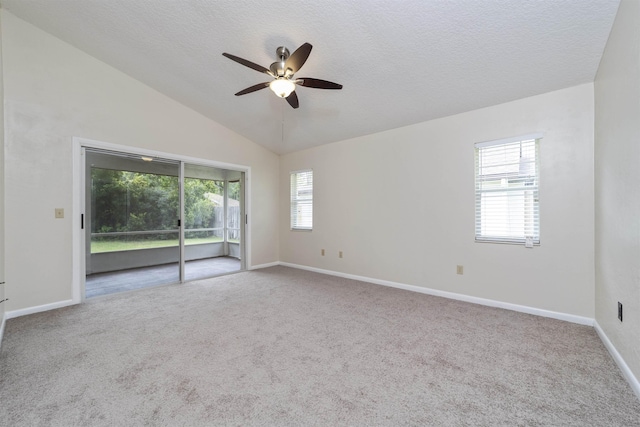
(506, 242)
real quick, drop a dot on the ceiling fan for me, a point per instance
(282, 71)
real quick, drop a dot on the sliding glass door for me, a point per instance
(152, 221)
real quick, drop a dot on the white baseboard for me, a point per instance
(626, 371)
(270, 264)
(4, 322)
(451, 295)
(38, 309)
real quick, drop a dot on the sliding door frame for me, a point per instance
(78, 204)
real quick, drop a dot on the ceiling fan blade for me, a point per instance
(293, 100)
(297, 59)
(317, 83)
(253, 88)
(249, 64)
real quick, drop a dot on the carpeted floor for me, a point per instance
(293, 348)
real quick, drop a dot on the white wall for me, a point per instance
(617, 191)
(400, 205)
(54, 92)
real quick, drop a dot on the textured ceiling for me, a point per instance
(400, 61)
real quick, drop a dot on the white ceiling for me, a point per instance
(400, 61)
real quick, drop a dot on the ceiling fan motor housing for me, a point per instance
(278, 67)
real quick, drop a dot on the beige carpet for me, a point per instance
(292, 348)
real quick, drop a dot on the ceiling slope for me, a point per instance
(401, 62)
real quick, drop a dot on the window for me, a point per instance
(302, 200)
(507, 177)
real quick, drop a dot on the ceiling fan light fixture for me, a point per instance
(282, 87)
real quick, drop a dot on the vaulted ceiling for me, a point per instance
(400, 61)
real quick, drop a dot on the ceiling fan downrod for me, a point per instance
(278, 67)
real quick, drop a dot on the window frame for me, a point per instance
(523, 186)
(296, 202)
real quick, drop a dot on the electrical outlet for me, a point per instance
(619, 311)
(340, 254)
(59, 213)
(459, 269)
(322, 252)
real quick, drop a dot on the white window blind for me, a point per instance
(507, 178)
(302, 200)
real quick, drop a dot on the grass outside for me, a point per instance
(114, 246)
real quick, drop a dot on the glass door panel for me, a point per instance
(132, 217)
(206, 234)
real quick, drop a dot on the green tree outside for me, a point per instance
(125, 201)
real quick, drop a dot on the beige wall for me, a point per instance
(400, 205)
(617, 191)
(54, 92)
